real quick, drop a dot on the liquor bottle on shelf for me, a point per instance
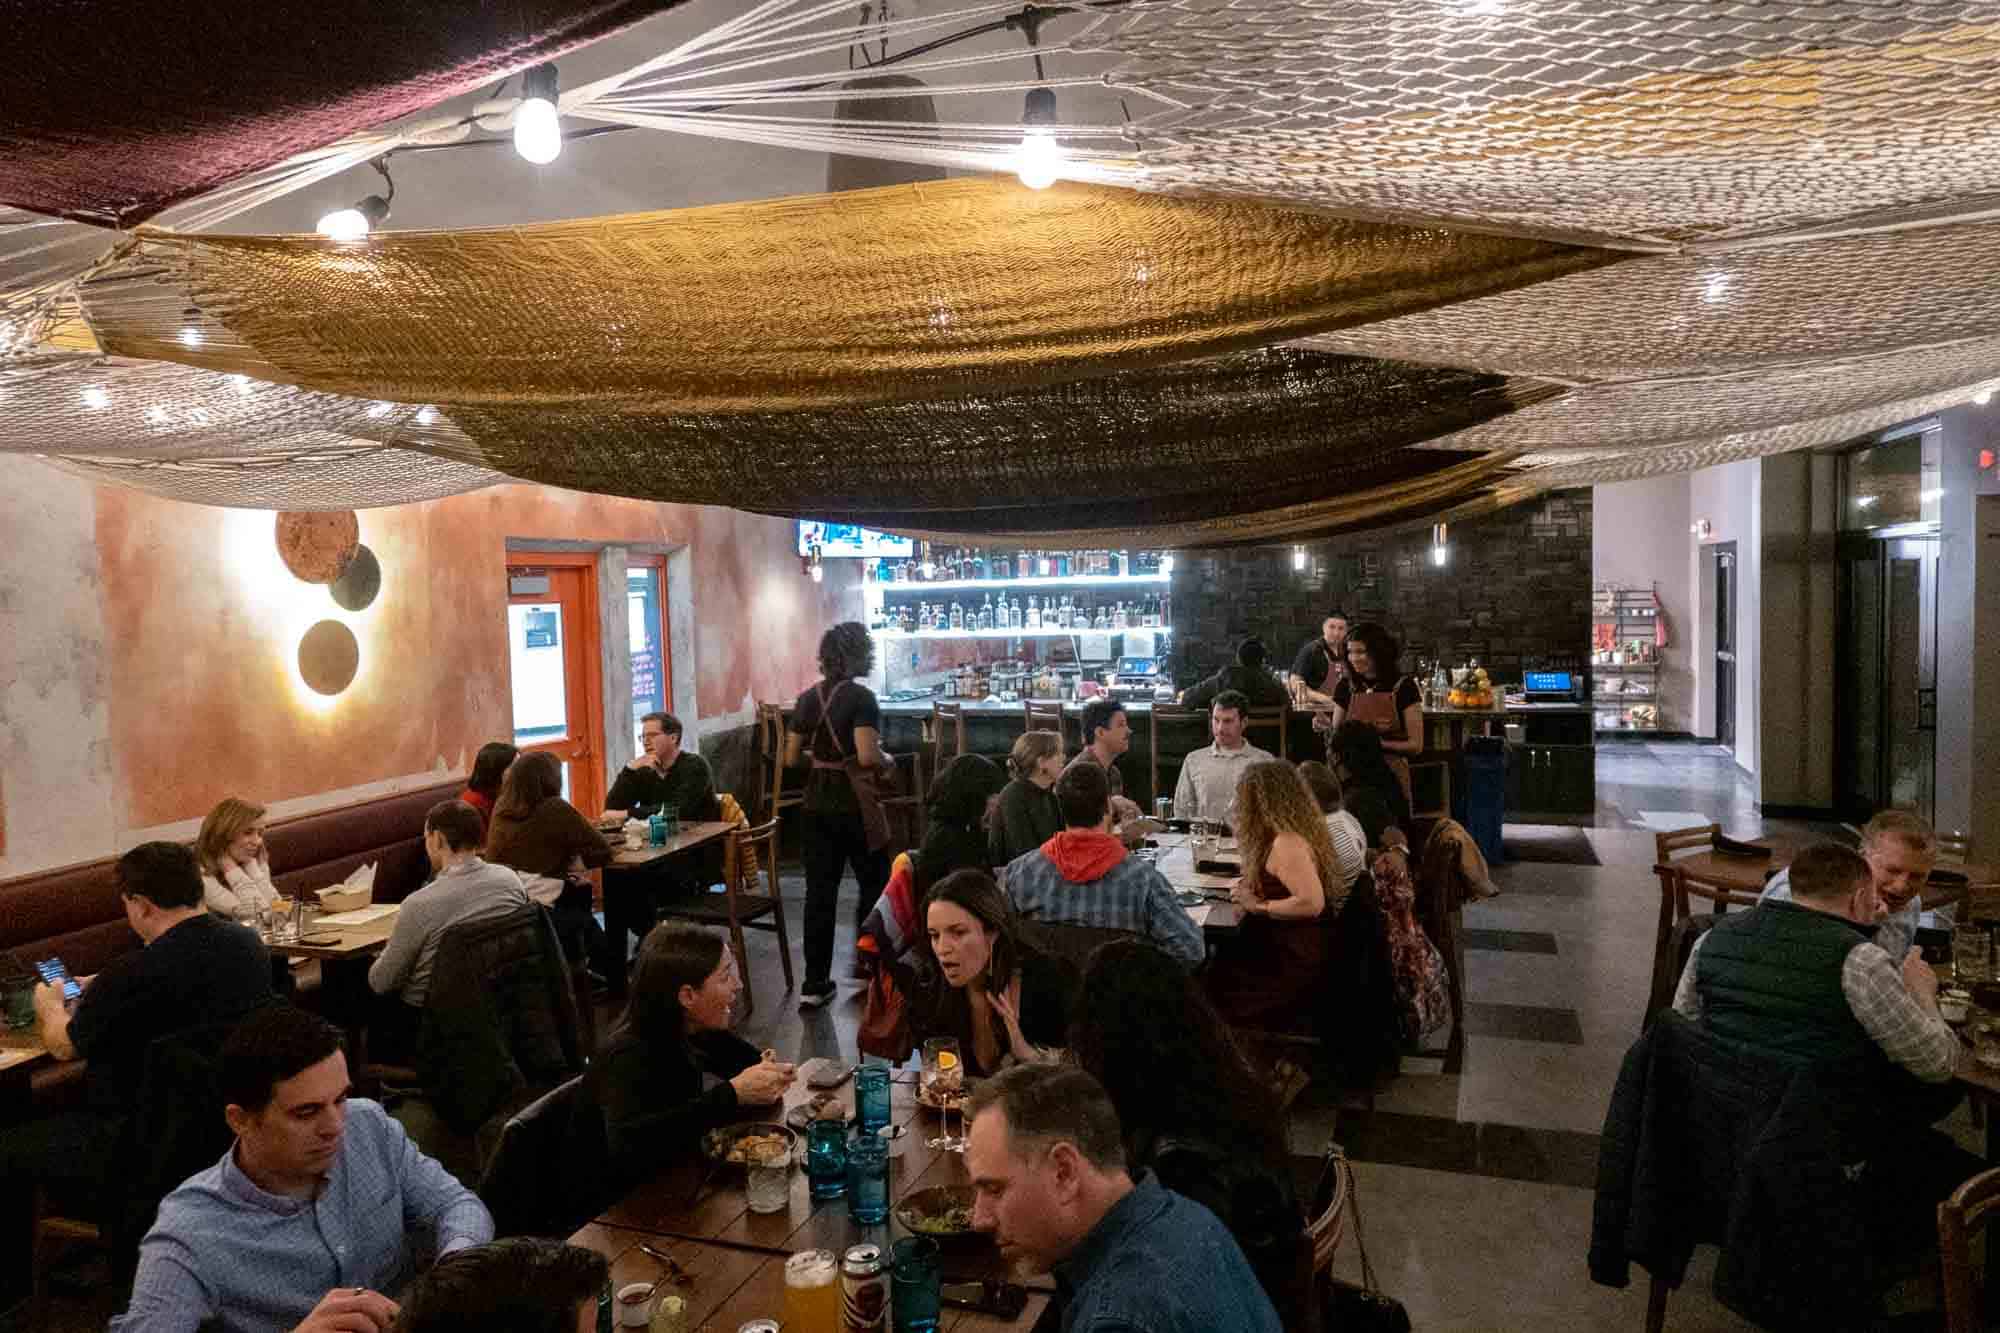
(957, 620)
(979, 564)
(1034, 615)
(986, 613)
(1081, 620)
(1102, 618)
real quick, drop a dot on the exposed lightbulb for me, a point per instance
(426, 415)
(1299, 558)
(818, 573)
(537, 126)
(1439, 555)
(538, 131)
(344, 224)
(94, 398)
(1038, 161)
(191, 336)
(1167, 564)
(1983, 397)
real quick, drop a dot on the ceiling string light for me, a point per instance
(1038, 161)
(354, 224)
(537, 124)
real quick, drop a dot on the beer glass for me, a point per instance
(812, 1292)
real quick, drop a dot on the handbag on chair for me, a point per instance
(885, 1022)
(1349, 1308)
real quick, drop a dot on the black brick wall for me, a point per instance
(1516, 593)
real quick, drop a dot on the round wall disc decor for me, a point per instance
(329, 657)
(357, 585)
(316, 547)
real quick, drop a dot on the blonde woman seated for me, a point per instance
(235, 868)
(1290, 889)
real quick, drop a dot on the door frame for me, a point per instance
(583, 749)
(1725, 717)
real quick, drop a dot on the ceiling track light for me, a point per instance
(354, 224)
(537, 123)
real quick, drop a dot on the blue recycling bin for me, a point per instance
(1484, 765)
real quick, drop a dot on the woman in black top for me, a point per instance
(1027, 815)
(1194, 1109)
(1369, 790)
(957, 809)
(834, 722)
(977, 980)
(671, 1069)
(1376, 691)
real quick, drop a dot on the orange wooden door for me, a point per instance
(555, 671)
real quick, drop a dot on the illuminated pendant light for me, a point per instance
(1039, 159)
(354, 224)
(537, 125)
(1440, 550)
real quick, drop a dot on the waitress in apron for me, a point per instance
(837, 725)
(1375, 691)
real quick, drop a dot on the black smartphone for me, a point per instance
(57, 975)
(988, 1297)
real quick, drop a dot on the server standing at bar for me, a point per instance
(838, 724)
(1322, 662)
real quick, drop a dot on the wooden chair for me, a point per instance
(1960, 1217)
(1441, 768)
(1683, 840)
(1171, 716)
(1047, 715)
(1329, 1226)
(754, 852)
(1953, 849)
(947, 735)
(775, 797)
(1270, 719)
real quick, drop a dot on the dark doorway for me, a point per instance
(1886, 733)
(1725, 643)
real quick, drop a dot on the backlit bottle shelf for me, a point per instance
(1057, 581)
(1010, 633)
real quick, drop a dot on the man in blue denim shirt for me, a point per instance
(322, 1206)
(1047, 1161)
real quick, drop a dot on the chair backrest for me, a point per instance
(1172, 718)
(547, 1175)
(947, 734)
(178, 1129)
(1961, 1217)
(1272, 724)
(756, 852)
(1043, 715)
(1682, 840)
(1953, 848)
(1673, 961)
(1430, 778)
(501, 1016)
(1074, 944)
(1328, 1226)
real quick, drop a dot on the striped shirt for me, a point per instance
(1133, 897)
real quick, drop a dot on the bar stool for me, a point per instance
(1172, 717)
(947, 734)
(1047, 715)
(1260, 719)
(774, 798)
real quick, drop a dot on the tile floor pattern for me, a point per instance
(1475, 1187)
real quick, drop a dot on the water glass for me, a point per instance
(913, 1285)
(871, 1096)
(868, 1180)
(770, 1184)
(826, 1158)
(1971, 953)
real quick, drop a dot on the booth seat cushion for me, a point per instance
(74, 912)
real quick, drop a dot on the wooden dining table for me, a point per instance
(1176, 861)
(691, 835)
(1749, 874)
(337, 940)
(699, 1214)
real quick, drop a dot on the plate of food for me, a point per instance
(943, 1212)
(743, 1145)
(823, 1105)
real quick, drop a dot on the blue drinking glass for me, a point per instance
(826, 1158)
(913, 1285)
(868, 1181)
(871, 1096)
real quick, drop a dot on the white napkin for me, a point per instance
(361, 877)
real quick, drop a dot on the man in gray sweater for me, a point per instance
(466, 888)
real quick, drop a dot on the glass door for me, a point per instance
(1725, 645)
(646, 627)
(553, 669)
(1886, 735)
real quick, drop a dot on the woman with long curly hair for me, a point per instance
(1195, 1110)
(1289, 890)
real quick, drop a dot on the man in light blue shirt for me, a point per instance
(321, 1208)
(1901, 851)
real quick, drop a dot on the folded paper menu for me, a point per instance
(361, 916)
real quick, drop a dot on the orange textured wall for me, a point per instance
(201, 623)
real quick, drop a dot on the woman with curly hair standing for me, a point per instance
(837, 725)
(1287, 895)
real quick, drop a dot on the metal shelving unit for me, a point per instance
(1627, 634)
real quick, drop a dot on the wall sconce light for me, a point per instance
(1700, 529)
(1440, 551)
(1299, 559)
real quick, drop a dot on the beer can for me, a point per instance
(761, 1326)
(864, 1290)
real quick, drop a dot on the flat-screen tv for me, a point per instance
(846, 539)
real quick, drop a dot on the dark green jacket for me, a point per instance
(1770, 978)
